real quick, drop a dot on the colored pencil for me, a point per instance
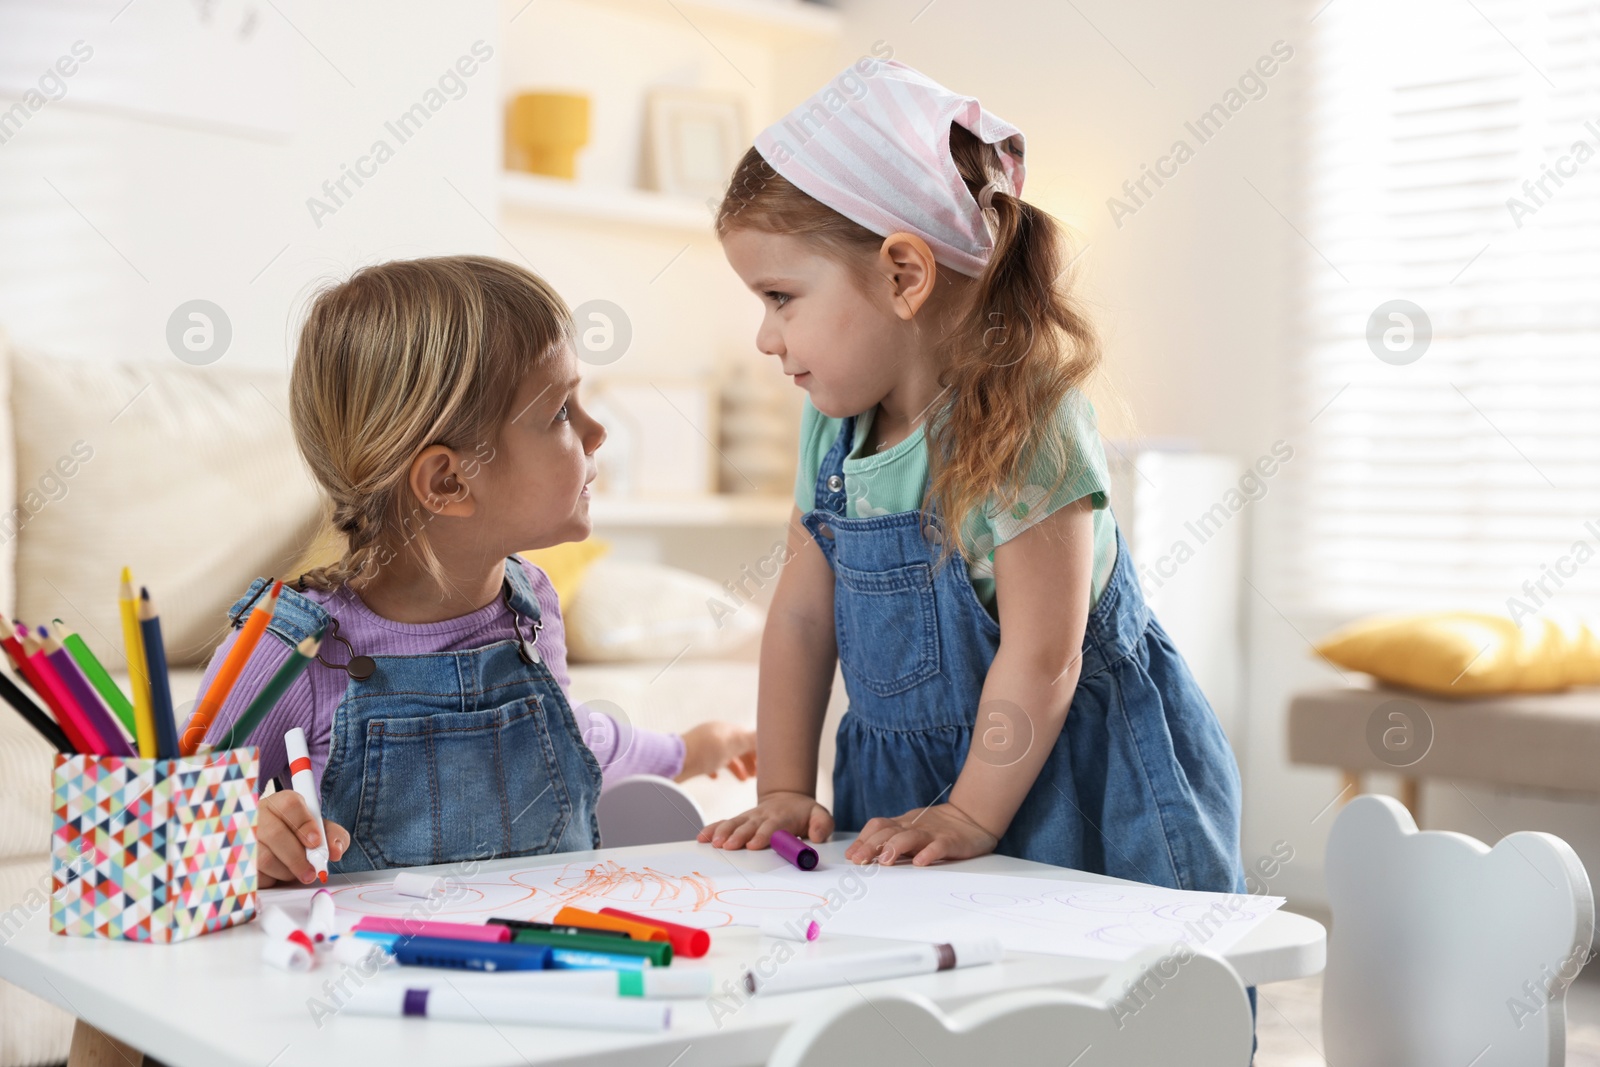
(68, 714)
(98, 676)
(239, 733)
(25, 665)
(13, 647)
(155, 659)
(83, 694)
(227, 675)
(24, 705)
(138, 670)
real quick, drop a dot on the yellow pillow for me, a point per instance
(1461, 653)
(565, 565)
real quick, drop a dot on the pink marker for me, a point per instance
(790, 930)
(794, 850)
(380, 924)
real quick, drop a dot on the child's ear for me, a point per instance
(440, 484)
(907, 261)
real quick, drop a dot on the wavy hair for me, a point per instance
(401, 356)
(1018, 344)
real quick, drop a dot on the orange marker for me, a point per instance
(222, 684)
(690, 941)
(60, 700)
(637, 930)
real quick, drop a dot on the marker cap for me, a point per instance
(411, 884)
(292, 955)
(794, 850)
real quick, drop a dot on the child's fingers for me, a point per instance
(338, 840)
(296, 815)
(820, 828)
(870, 840)
(281, 854)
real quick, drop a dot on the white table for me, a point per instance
(211, 1002)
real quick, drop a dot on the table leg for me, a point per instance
(91, 1048)
(1350, 786)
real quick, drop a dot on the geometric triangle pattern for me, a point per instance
(153, 850)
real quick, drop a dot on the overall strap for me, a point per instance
(522, 597)
(830, 474)
(295, 618)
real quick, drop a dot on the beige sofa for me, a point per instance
(1546, 742)
(192, 479)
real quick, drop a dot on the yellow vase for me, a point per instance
(544, 132)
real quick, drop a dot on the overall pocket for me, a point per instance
(453, 786)
(887, 627)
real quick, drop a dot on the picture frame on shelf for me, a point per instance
(659, 436)
(693, 139)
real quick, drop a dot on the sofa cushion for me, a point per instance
(189, 475)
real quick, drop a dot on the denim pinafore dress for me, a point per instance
(1141, 783)
(450, 756)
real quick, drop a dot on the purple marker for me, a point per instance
(794, 850)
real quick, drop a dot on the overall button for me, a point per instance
(826, 531)
(931, 534)
(835, 483)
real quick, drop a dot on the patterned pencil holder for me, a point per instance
(153, 850)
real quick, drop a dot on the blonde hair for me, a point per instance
(1019, 343)
(401, 356)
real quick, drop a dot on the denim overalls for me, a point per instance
(1141, 783)
(450, 756)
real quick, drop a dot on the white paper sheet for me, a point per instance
(700, 888)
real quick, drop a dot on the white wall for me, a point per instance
(184, 211)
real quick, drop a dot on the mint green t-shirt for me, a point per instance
(893, 480)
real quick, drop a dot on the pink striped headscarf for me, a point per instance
(874, 145)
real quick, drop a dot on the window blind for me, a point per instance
(1453, 161)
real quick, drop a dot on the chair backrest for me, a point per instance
(1447, 952)
(1163, 1007)
(647, 809)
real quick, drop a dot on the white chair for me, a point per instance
(648, 809)
(1160, 1008)
(1444, 951)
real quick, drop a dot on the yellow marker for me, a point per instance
(139, 674)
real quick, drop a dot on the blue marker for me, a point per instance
(567, 959)
(470, 955)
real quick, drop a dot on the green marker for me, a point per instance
(659, 953)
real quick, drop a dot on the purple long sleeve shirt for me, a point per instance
(313, 698)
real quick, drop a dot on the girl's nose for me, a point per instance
(595, 437)
(769, 341)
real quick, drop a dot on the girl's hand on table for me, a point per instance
(941, 832)
(798, 813)
(284, 830)
(712, 746)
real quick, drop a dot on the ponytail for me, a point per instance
(1017, 348)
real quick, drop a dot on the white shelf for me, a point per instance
(722, 509)
(628, 207)
(767, 21)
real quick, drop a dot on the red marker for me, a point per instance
(690, 941)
